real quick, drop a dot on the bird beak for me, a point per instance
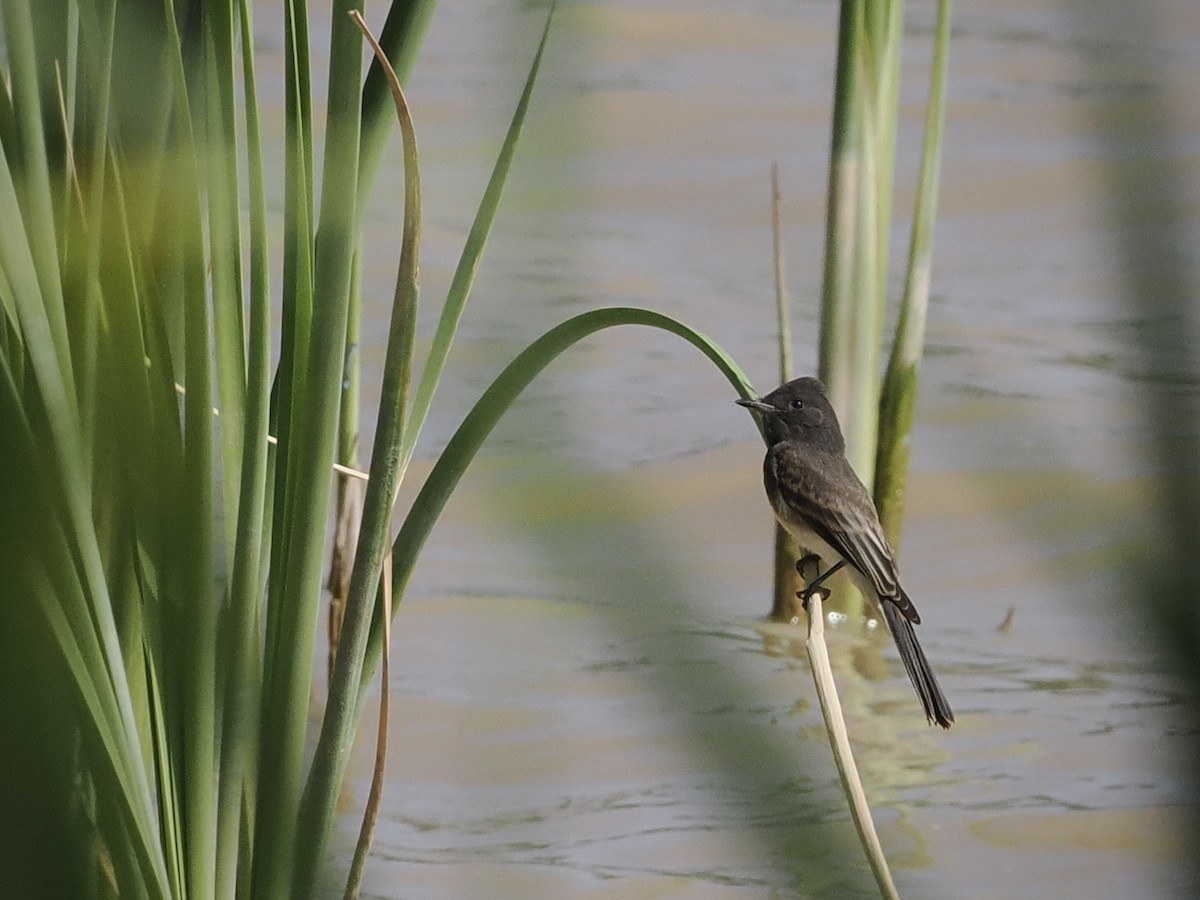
(755, 403)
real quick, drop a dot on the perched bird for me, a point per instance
(819, 499)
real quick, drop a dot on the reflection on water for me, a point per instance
(586, 701)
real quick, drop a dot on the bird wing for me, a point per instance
(824, 492)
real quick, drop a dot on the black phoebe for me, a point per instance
(818, 498)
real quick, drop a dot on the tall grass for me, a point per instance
(877, 413)
(162, 565)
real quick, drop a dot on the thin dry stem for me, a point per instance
(781, 296)
(371, 814)
(839, 740)
(786, 583)
(272, 439)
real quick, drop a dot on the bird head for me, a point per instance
(799, 411)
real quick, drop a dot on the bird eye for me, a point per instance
(796, 403)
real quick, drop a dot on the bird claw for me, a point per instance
(816, 580)
(808, 593)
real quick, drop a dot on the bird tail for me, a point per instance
(937, 707)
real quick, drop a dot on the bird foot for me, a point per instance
(808, 593)
(812, 563)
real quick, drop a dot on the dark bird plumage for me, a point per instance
(818, 497)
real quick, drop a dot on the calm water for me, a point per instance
(585, 699)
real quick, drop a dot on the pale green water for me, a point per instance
(583, 703)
